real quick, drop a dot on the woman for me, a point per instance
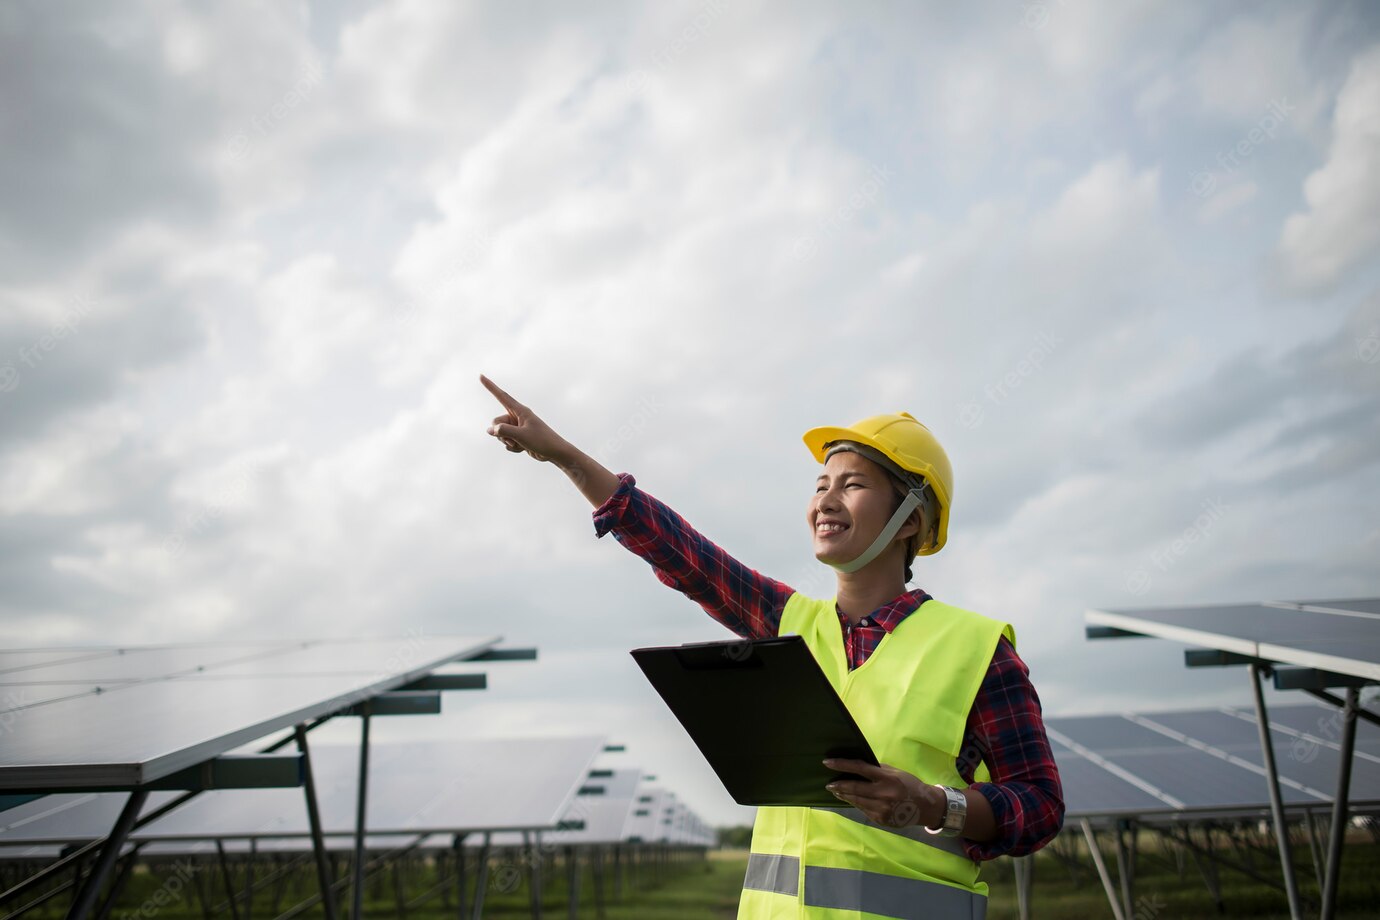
(965, 771)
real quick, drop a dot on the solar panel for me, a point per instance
(644, 823)
(1198, 760)
(1319, 726)
(1344, 640)
(1369, 605)
(417, 787)
(603, 815)
(101, 718)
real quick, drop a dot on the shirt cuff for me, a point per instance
(607, 515)
(1008, 817)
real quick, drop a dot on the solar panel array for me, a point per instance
(101, 717)
(1342, 636)
(1206, 760)
(417, 787)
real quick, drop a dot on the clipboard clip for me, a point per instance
(719, 656)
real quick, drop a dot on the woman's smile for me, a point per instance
(827, 529)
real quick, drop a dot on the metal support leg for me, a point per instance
(1209, 869)
(357, 911)
(86, 897)
(202, 894)
(1337, 837)
(617, 872)
(122, 876)
(318, 842)
(539, 857)
(249, 878)
(573, 871)
(1019, 868)
(1124, 871)
(1314, 848)
(481, 879)
(532, 857)
(399, 895)
(458, 845)
(1267, 751)
(1096, 854)
(227, 880)
(597, 857)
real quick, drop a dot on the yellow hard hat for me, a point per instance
(909, 445)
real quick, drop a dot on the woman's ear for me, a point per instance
(926, 529)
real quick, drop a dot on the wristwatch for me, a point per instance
(955, 813)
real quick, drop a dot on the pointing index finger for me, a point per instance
(512, 405)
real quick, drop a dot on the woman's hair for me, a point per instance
(929, 520)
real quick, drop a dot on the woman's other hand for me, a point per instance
(889, 796)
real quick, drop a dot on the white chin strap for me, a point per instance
(909, 504)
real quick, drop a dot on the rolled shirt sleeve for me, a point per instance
(1006, 727)
(742, 599)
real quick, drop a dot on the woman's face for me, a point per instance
(853, 500)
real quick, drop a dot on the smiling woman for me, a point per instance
(965, 771)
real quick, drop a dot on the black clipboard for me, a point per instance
(763, 714)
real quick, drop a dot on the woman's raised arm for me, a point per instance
(747, 602)
(522, 431)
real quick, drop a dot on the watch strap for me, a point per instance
(955, 813)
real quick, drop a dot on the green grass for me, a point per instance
(694, 886)
(709, 888)
(1161, 893)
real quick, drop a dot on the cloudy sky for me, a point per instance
(1121, 258)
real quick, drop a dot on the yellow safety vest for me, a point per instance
(911, 699)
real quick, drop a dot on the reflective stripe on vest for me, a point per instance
(890, 895)
(780, 874)
(868, 892)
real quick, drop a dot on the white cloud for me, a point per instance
(1341, 227)
(683, 235)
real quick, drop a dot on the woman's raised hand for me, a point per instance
(521, 430)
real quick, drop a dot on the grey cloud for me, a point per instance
(96, 134)
(1331, 381)
(86, 352)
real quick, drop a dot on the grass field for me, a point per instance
(709, 887)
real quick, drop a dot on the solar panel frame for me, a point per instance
(1268, 630)
(1196, 772)
(51, 745)
(438, 787)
